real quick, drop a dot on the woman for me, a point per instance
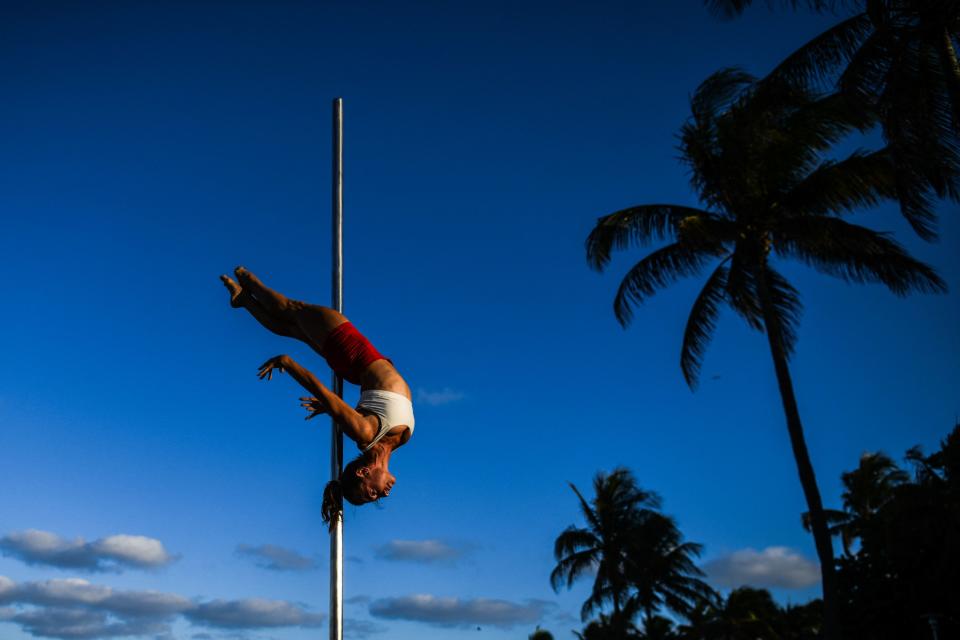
(383, 420)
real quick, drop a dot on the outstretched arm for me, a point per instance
(356, 426)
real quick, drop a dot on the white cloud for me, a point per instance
(138, 551)
(73, 624)
(252, 613)
(437, 398)
(423, 551)
(274, 558)
(770, 568)
(76, 609)
(106, 554)
(74, 592)
(453, 612)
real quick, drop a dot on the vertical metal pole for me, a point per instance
(336, 450)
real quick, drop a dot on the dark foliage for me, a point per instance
(640, 562)
(752, 614)
(905, 569)
(897, 61)
(756, 156)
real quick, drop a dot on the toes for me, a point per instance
(235, 291)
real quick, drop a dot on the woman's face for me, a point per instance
(376, 483)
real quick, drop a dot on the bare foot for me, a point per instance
(245, 277)
(257, 290)
(235, 291)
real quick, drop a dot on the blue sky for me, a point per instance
(149, 147)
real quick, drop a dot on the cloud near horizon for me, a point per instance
(438, 398)
(75, 609)
(422, 551)
(113, 553)
(454, 612)
(274, 558)
(773, 567)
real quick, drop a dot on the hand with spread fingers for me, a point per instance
(313, 405)
(276, 363)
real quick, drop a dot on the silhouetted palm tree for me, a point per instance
(661, 569)
(641, 561)
(752, 614)
(754, 151)
(604, 544)
(616, 626)
(898, 59)
(866, 489)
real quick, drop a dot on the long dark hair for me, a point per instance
(347, 487)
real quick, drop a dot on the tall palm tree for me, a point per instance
(866, 489)
(755, 155)
(602, 546)
(898, 59)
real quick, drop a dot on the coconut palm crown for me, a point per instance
(636, 555)
(866, 490)
(898, 60)
(756, 153)
(602, 547)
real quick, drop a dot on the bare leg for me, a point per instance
(240, 297)
(314, 322)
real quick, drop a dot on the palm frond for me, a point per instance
(588, 513)
(656, 271)
(808, 124)
(866, 71)
(860, 180)
(918, 178)
(741, 288)
(786, 306)
(570, 568)
(701, 325)
(634, 226)
(718, 92)
(573, 540)
(820, 57)
(855, 254)
(727, 9)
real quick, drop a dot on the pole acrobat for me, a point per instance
(336, 450)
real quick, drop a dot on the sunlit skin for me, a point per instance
(311, 324)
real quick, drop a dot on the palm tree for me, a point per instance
(616, 626)
(603, 545)
(866, 489)
(661, 569)
(641, 560)
(898, 59)
(754, 151)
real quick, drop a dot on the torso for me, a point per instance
(383, 376)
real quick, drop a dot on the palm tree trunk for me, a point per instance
(808, 480)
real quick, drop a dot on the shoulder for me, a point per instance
(367, 428)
